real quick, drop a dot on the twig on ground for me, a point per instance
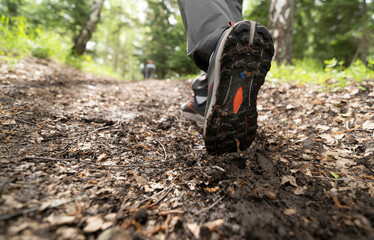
(341, 179)
(123, 167)
(4, 183)
(210, 207)
(101, 128)
(50, 159)
(172, 211)
(237, 144)
(10, 98)
(163, 147)
(162, 198)
(106, 166)
(336, 201)
(31, 123)
(155, 195)
(119, 168)
(96, 130)
(18, 213)
(219, 168)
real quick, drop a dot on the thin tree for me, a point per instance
(363, 46)
(281, 17)
(88, 28)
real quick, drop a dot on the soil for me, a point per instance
(87, 157)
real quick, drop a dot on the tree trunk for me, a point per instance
(363, 45)
(88, 28)
(281, 16)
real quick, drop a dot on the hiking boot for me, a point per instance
(236, 72)
(194, 109)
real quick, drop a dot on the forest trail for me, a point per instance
(86, 157)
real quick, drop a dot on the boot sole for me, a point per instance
(231, 122)
(195, 117)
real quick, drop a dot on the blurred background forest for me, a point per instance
(320, 39)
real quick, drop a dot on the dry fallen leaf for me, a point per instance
(18, 228)
(212, 225)
(290, 107)
(114, 233)
(60, 219)
(9, 122)
(300, 190)
(36, 136)
(106, 225)
(305, 169)
(212, 190)
(368, 125)
(290, 211)
(195, 229)
(329, 139)
(11, 202)
(289, 179)
(94, 223)
(69, 233)
(51, 202)
(141, 180)
(110, 216)
(102, 157)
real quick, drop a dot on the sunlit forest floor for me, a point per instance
(87, 157)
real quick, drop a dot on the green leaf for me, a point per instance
(334, 174)
(361, 88)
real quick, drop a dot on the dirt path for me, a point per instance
(84, 157)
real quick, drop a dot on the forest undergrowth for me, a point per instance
(19, 40)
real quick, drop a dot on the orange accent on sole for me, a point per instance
(246, 125)
(247, 74)
(238, 100)
(219, 125)
(190, 105)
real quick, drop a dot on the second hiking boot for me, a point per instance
(236, 72)
(194, 109)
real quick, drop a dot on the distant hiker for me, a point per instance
(143, 70)
(149, 69)
(235, 56)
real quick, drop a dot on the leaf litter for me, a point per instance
(87, 157)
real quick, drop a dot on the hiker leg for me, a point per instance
(205, 21)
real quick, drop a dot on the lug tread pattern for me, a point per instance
(226, 131)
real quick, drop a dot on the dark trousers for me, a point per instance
(205, 21)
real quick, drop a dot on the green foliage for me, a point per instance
(41, 52)
(118, 38)
(336, 176)
(258, 10)
(166, 40)
(333, 76)
(19, 39)
(85, 63)
(10, 7)
(64, 17)
(333, 65)
(131, 31)
(13, 38)
(327, 29)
